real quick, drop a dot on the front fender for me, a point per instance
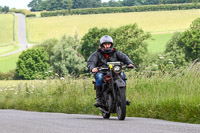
(120, 83)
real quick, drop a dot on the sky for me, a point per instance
(20, 4)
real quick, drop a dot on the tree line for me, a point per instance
(52, 5)
(4, 9)
(102, 10)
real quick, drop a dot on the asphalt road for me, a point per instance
(15, 121)
(22, 31)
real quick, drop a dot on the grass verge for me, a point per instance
(9, 62)
(170, 97)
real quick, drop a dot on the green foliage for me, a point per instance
(34, 5)
(181, 49)
(190, 41)
(172, 58)
(66, 59)
(127, 39)
(175, 52)
(91, 41)
(32, 64)
(52, 5)
(102, 10)
(48, 46)
(157, 64)
(4, 9)
(69, 5)
(8, 75)
(131, 40)
(27, 13)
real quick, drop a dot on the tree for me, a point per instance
(48, 46)
(69, 6)
(127, 39)
(34, 5)
(32, 64)
(174, 52)
(190, 41)
(113, 3)
(90, 41)
(131, 40)
(0, 9)
(5, 9)
(66, 59)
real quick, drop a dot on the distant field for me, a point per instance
(157, 22)
(6, 29)
(158, 42)
(8, 43)
(9, 62)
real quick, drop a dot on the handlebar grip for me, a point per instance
(132, 67)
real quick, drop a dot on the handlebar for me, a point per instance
(107, 68)
(123, 66)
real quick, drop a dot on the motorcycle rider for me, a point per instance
(106, 53)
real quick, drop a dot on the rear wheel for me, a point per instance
(121, 105)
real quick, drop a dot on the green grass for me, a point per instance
(157, 22)
(8, 49)
(6, 29)
(158, 42)
(8, 33)
(174, 98)
(9, 62)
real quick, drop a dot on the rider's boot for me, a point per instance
(98, 96)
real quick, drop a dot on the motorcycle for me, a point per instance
(114, 91)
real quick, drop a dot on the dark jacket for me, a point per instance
(98, 59)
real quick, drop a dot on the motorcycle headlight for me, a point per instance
(117, 69)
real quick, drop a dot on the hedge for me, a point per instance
(27, 13)
(102, 10)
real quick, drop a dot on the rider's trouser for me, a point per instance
(99, 78)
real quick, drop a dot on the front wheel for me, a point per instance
(121, 105)
(110, 104)
(106, 115)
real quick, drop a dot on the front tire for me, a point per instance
(121, 105)
(109, 103)
(106, 115)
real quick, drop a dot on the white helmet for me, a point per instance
(106, 39)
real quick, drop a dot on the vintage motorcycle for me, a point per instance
(114, 91)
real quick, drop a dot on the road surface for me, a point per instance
(15, 121)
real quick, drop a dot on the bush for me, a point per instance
(190, 41)
(48, 46)
(32, 64)
(122, 9)
(8, 76)
(31, 15)
(27, 13)
(175, 52)
(66, 59)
